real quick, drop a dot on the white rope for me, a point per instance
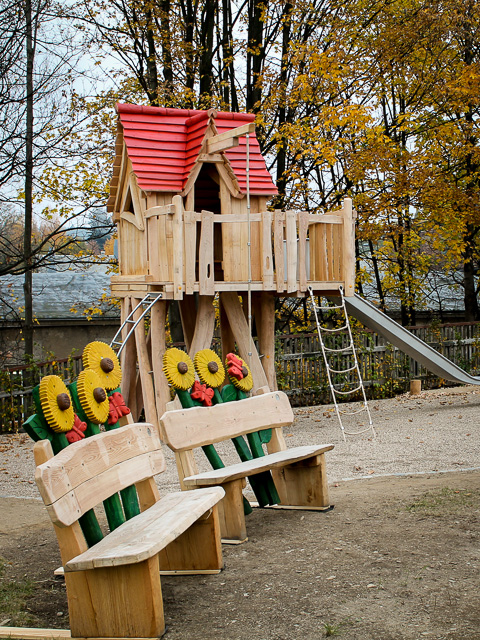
(329, 369)
(249, 254)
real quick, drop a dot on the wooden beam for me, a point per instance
(228, 139)
(239, 327)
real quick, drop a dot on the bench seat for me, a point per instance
(148, 533)
(256, 465)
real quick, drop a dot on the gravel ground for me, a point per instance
(435, 431)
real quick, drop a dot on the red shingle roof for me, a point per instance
(163, 145)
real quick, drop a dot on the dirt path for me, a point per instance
(396, 559)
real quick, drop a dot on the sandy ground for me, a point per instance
(435, 431)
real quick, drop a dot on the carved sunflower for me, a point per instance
(92, 396)
(178, 368)
(102, 359)
(239, 372)
(56, 404)
(209, 368)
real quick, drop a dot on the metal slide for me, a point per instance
(397, 335)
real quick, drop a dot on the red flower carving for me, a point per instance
(76, 432)
(203, 393)
(118, 408)
(234, 366)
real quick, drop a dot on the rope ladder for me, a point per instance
(351, 371)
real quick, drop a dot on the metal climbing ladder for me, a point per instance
(353, 370)
(147, 303)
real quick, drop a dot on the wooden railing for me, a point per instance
(289, 251)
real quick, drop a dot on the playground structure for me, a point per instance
(189, 195)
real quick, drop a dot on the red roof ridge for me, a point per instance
(122, 107)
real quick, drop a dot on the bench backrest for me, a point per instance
(186, 429)
(87, 472)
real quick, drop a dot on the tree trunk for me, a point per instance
(27, 238)
(206, 53)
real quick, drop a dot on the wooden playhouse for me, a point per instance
(189, 194)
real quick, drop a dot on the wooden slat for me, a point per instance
(278, 221)
(348, 248)
(190, 250)
(242, 130)
(75, 464)
(67, 509)
(257, 465)
(302, 250)
(178, 248)
(314, 218)
(267, 257)
(147, 534)
(163, 268)
(229, 139)
(190, 428)
(206, 275)
(158, 210)
(236, 217)
(214, 147)
(20, 633)
(291, 236)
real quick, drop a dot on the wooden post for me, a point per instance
(178, 249)
(129, 362)
(348, 266)
(291, 237)
(278, 220)
(188, 316)
(204, 326)
(264, 311)
(157, 336)
(415, 387)
(226, 335)
(239, 327)
(145, 369)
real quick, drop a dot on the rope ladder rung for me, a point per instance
(346, 393)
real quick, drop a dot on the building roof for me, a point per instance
(163, 145)
(56, 293)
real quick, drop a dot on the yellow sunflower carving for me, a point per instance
(239, 372)
(92, 396)
(209, 368)
(178, 368)
(56, 404)
(102, 359)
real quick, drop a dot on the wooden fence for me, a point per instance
(16, 383)
(385, 369)
(300, 368)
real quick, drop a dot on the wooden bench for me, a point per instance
(299, 473)
(113, 587)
